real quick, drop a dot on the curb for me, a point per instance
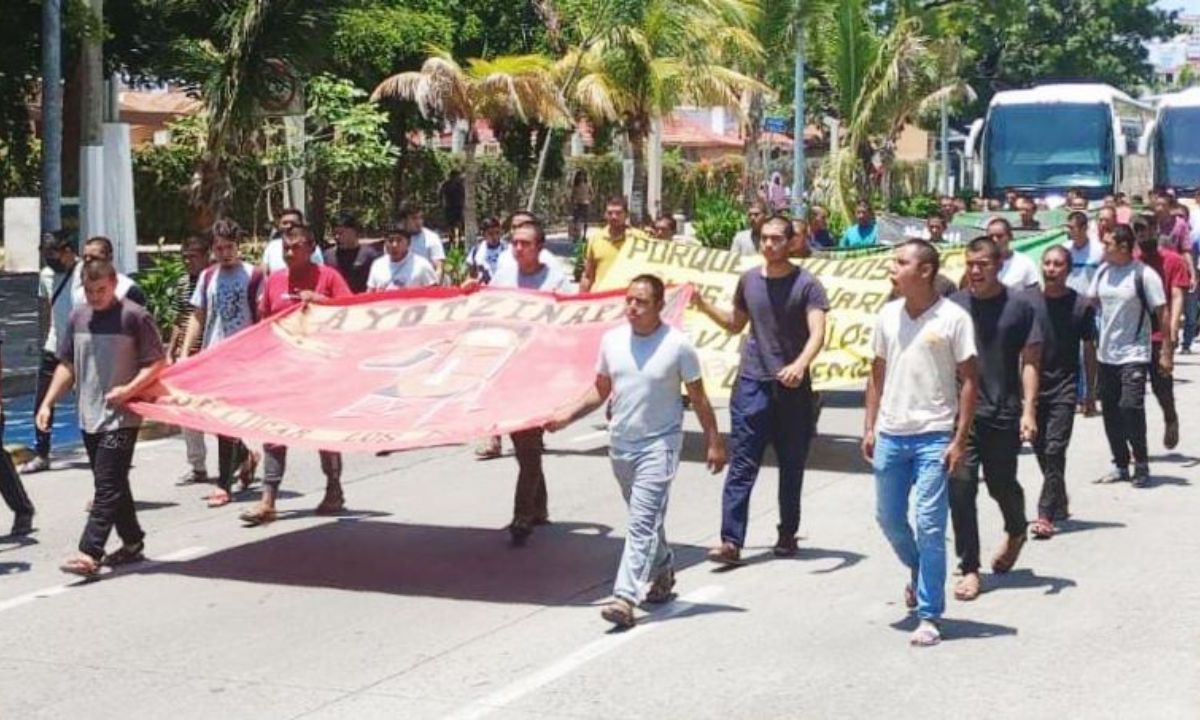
(150, 430)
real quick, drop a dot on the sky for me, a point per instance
(1188, 6)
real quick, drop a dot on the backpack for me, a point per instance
(252, 288)
(1139, 285)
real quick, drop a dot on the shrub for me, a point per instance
(718, 218)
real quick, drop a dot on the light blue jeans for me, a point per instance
(913, 463)
(645, 477)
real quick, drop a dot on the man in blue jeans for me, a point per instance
(642, 365)
(920, 403)
(772, 403)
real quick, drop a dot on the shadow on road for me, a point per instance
(148, 505)
(845, 559)
(1157, 480)
(563, 563)
(1071, 525)
(9, 543)
(1025, 578)
(1186, 461)
(13, 568)
(953, 629)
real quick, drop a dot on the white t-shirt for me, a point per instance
(273, 256)
(547, 278)
(413, 271)
(429, 245)
(1085, 261)
(1121, 341)
(60, 313)
(1019, 273)
(224, 294)
(743, 243)
(646, 372)
(124, 285)
(920, 388)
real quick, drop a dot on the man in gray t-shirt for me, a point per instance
(111, 351)
(1131, 301)
(641, 366)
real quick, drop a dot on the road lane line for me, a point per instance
(49, 592)
(507, 695)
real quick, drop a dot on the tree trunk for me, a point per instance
(637, 134)
(470, 177)
(754, 173)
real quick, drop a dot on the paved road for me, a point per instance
(413, 606)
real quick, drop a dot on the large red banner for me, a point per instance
(396, 370)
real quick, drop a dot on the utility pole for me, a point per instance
(945, 146)
(91, 131)
(52, 109)
(798, 144)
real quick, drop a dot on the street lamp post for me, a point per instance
(798, 181)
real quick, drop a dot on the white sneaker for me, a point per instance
(36, 465)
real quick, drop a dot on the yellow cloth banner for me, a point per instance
(856, 284)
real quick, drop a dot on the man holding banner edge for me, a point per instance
(641, 366)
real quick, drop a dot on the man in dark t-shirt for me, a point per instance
(1008, 337)
(785, 307)
(351, 258)
(1070, 322)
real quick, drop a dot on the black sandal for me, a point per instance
(125, 555)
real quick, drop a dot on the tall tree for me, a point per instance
(654, 56)
(519, 86)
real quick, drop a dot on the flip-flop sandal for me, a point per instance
(487, 453)
(257, 517)
(620, 613)
(86, 568)
(125, 555)
(219, 498)
(1041, 529)
(925, 635)
(967, 589)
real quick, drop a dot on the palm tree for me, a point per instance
(660, 54)
(520, 86)
(235, 54)
(879, 84)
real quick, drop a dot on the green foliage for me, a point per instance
(162, 176)
(718, 218)
(161, 285)
(454, 269)
(375, 40)
(916, 206)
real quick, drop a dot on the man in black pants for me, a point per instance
(1132, 302)
(111, 350)
(1071, 320)
(1008, 336)
(56, 285)
(10, 482)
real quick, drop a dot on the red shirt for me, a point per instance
(284, 288)
(1172, 268)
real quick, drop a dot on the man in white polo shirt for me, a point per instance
(920, 403)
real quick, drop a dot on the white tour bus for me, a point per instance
(1172, 142)
(1046, 140)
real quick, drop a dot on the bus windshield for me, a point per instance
(1177, 149)
(1049, 147)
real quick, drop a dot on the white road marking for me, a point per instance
(507, 695)
(588, 437)
(179, 555)
(16, 602)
